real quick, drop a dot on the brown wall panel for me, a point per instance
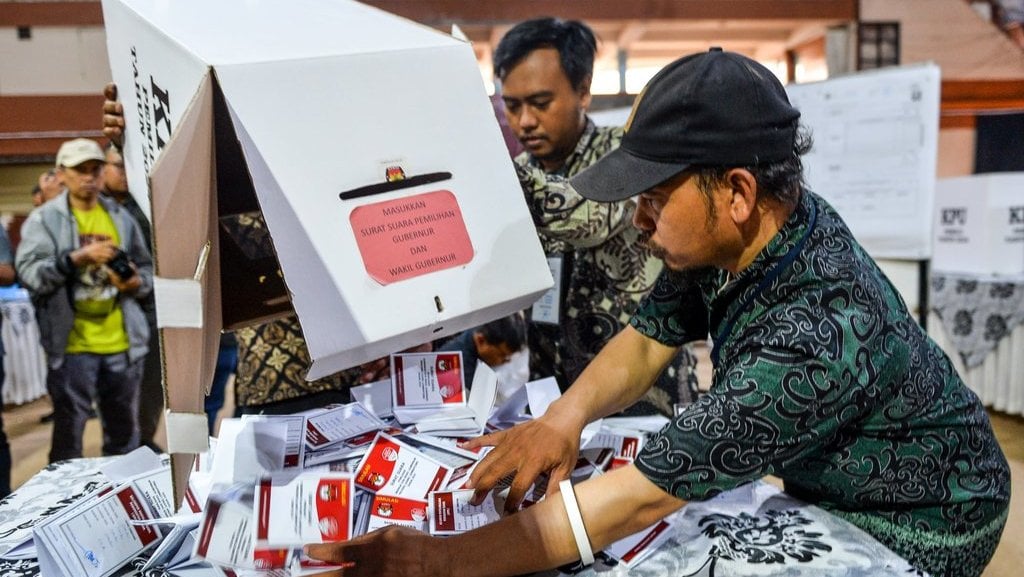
(36, 125)
(50, 14)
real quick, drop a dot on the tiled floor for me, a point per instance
(30, 442)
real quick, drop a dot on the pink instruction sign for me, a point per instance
(412, 236)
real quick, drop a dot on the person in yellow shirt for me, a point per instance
(83, 259)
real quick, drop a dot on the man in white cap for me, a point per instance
(84, 261)
(822, 377)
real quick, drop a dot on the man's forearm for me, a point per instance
(613, 506)
(617, 377)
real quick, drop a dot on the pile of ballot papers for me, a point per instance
(272, 483)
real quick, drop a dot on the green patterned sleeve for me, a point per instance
(765, 414)
(674, 312)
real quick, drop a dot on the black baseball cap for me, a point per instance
(714, 108)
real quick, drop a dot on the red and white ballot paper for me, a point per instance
(425, 383)
(95, 537)
(391, 510)
(334, 425)
(394, 468)
(309, 508)
(287, 513)
(451, 512)
(429, 391)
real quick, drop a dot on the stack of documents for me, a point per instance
(271, 483)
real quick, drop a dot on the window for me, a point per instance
(878, 45)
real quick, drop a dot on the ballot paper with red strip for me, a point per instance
(426, 383)
(395, 468)
(624, 444)
(227, 538)
(97, 537)
(294, 428)
(392, 510)
(308, 508)
(452, 513)
(334, 425)
(633, 549)
(469, 420)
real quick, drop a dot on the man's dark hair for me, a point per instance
(781, 180)
(574, 40)
(510, 330)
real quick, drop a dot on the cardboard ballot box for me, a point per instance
(392, 212)
(979, 224)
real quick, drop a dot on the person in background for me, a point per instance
(494, 343)
(47, 188)
(84, 261)
(6, 279)
(545, 68)
(227, 364)
(822, 376)
(151, 391)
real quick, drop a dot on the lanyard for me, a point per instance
(772, 274)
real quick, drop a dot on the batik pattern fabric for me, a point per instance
(977, 312)
(822, 377)
(272, 364)
(609, 270)
(758, 530)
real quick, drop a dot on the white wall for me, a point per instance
(55, 61)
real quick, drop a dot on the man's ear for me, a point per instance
(584, 92)
(743, 189)
(478, 339)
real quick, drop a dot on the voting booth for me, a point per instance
(320, 156)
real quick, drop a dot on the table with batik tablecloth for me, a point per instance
(753, 530)
(979, 321)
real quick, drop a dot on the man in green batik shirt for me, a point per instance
(821, 375)
(545, 67)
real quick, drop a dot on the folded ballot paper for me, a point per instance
(428, 391)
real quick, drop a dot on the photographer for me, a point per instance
(84, 261)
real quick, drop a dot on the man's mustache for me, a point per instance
(657, 251)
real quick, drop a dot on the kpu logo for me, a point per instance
(1016, 215)
(954, 216)
(153, 105)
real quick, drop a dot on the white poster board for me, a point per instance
(875, 144)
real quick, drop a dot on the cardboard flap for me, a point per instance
(184, 210)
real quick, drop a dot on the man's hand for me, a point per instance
(113, 116)
(126, 286)
(389, 552)
(550, 444)
(94, 253)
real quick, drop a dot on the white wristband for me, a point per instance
(572, 509)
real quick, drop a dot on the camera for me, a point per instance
(121, 265)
